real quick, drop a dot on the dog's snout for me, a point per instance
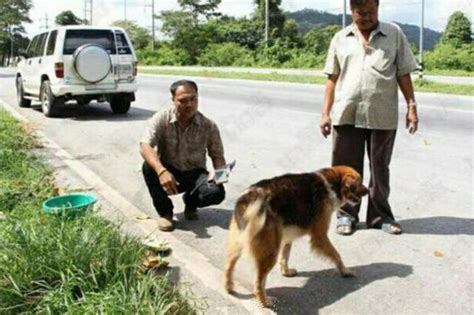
(362, 191)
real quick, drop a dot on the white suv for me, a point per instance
(81, 63)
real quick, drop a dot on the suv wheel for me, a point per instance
(120, 105)
(50, 104)
(20, 94)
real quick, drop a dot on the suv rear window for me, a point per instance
(77, 38)
(122, 44)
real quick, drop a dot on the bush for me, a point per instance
(279, 55)
(226, 54)
(448, 57)
(304, 59)
(163, 55)
(273, 56)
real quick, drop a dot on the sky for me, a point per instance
(105, 12)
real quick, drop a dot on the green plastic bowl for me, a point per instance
(70, 205)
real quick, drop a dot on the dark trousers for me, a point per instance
(349, 144)
(205, 195)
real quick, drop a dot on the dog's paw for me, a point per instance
(268, 302)
(347, 273)
(289, 272)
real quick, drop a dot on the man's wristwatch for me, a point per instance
(413, 104)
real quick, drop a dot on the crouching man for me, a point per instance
(174, 149)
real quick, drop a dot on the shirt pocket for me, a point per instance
(197, 147)
(382, 61)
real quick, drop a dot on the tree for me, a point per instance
(187, 32)
(290, 33)
(67, 18)
(186, 28)
(458, 30)
(139, 36)
(317, 40)
(12, 14)
(276, 16)
(244, 32)
(206, 9)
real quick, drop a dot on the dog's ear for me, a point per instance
(347, 185)
(353, 185)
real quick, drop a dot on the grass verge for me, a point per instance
(54, 266)
(420, 85)
(436, 87)
(240, 75)
(453, 73)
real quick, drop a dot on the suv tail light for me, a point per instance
(135, 68)
(59, 69)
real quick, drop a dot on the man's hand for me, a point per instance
(168, 182)
(211, 177)
(411, 120)
(325, 125)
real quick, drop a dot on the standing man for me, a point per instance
(174, 149)
(366, 63)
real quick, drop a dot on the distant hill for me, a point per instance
(308, 18)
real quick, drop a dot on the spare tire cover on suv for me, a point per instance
(92, 63)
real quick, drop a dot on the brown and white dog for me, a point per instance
(274, 212)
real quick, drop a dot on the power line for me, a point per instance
(45, 19)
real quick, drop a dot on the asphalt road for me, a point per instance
(271, 129)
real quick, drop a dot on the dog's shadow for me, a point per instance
(208, 217)
(438, 226)
(325, 287)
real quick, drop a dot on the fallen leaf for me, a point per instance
(58, 191)
(151, 261)
(141, 216)
(426, 142)
(438, 253)
(158, 247)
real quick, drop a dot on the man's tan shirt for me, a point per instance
(366, 93)
(184, 149)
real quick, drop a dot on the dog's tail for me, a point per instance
(255, 215)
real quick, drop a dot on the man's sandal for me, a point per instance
(388, 227)
(391, 228)
(344, 226)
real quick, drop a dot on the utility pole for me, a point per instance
(420, 73)
(344, 15)
(88, 12)
(125, 10)
(10, 60)
(152, 24)
(45, 19)
(267, 21)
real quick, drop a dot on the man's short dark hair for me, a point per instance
(358, 3)
(179, 83)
